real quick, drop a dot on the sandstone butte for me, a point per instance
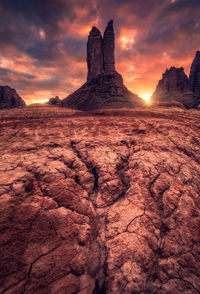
(104, 87)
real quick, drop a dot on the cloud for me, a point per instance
(43, 43)
(6, 71)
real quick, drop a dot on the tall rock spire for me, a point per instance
(94, 54)
(104, 87)
(109, 47)
(195, 75)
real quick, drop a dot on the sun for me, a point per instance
(126, 42)
(146, 97)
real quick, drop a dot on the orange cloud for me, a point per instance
(43, 53)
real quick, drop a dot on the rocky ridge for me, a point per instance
(9, 98)
(104, 87)
(176, 86)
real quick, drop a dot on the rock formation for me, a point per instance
(105, 91)
(100, 204)
(9, 98)
(175, 85)
(195, 76)
(104, 87)
(54, 101)
(109, 47)
(94, 54)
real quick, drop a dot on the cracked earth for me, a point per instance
(104, 203)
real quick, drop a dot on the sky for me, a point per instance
(43, 42)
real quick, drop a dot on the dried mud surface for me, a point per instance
(104, 203)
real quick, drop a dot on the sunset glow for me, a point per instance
(44, 50)
(146, 97)
(37, 101)
(42, 34)
(126, 43)
(99, 146)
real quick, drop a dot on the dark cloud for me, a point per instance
(51, 83)
(75, 48)
(180, 5)
(40, 13)
(6, 72)
(22, 21)
(42, 50)
(48, 38)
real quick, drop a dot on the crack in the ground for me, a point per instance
(92, 169)
(150, 226)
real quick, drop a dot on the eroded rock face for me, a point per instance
(195, 76)
(109, 48)
(9, 98)
(105, 91)
(104, 87)
(94, 54)
(100, 52)
(100, 204)
(174, 85)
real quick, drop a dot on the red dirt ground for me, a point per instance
(99, 202)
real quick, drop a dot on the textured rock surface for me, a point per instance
(94, 54)
(105, 91)
(100, 204)
(195, 76)
(174, 85)
(9, 98)
(109, 47)
(104, 87)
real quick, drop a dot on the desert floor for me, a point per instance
(104, 201)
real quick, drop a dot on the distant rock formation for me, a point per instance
(54, 101)
(104, 87)
(9, 98)
(175, 85)
(195, 76)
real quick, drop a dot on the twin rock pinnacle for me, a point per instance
(100, 51)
